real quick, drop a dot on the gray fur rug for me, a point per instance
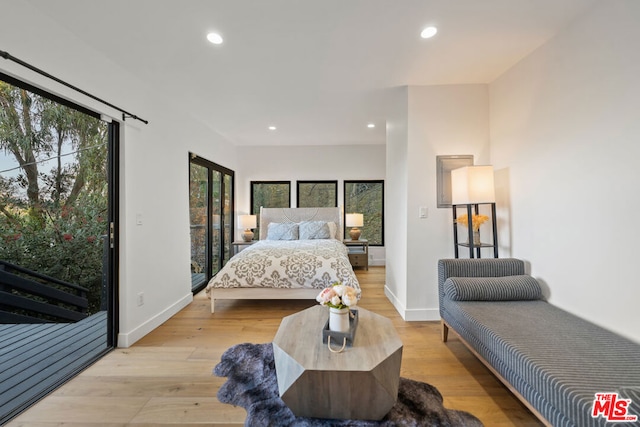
(251, 383)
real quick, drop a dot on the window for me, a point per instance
(269, 194)
(317, 194)
(367, 198)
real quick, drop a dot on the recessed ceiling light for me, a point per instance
(272, 128)
(428, 32)
(214, 38)
(371, 125)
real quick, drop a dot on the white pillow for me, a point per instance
(282, 231)
(333, 230)
(314, 230)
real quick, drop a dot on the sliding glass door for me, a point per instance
(211, 217)
(58, 233)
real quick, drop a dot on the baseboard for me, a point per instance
(128, 339)
(413, 314)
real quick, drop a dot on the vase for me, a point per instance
(476, 238)
(339, 319)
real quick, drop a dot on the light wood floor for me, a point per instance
(166, 378)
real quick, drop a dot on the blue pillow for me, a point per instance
(506, 288)
(282, 231)
(314, 230)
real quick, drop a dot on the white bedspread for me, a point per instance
(287, 264)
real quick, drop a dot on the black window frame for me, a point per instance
(256, 211)
(344, 196)
(334, 182)
(251, 186)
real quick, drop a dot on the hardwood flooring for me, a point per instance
(166, 378)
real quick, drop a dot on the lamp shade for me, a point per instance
(247, 221)
(354, 220)
(472, 184)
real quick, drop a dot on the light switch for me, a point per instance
(423, 212)
(138, 219)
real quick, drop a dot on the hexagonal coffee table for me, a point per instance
(359, 383)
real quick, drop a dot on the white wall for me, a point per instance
(440, 120)
(396, 197)
(565, 140)
(154, 256)
(301, 163)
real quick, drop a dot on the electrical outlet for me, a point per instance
(140, 299)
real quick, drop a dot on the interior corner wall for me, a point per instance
(295, 163)
(564, 143)
(154, 254)
(428, 121)
(396, 198)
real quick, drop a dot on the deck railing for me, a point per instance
(30, 297)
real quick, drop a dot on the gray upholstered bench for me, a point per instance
(553, 361)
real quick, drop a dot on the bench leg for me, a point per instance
(445, 331)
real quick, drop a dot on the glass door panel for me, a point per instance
(228, 218)
(217, 219)
(56, 255)
(198, 211)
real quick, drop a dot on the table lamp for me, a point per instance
(354, 220)
(247, 222)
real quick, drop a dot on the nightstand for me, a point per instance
(239, 245)
(358, 252)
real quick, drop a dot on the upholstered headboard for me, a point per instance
(268, 215)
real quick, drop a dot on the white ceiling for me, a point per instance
(316, 69)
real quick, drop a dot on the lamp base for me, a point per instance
(355, 233)
(247, 235)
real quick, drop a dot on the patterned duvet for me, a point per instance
(287, 264)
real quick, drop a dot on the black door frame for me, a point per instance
(211, 167)
(113, 177)
(111, 273)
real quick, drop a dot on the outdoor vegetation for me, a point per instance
(274, 194)
(316, 194)
(53, 189)
(366, 197)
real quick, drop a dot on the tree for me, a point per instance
(51, 220)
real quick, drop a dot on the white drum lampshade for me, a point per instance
(472, 184)
(354, 220)
(247, 222)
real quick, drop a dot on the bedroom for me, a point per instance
(559, 127)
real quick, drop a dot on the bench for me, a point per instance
(552, 360)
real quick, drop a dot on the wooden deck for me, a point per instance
(35, 358)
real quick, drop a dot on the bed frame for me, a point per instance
(268, 215)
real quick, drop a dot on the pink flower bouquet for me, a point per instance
(338, 296)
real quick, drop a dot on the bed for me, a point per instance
(299, 253)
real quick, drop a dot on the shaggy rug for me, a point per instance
(251, 383)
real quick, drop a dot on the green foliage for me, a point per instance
(317, 194)
(53, 221)
(269, 195)
(366, 197)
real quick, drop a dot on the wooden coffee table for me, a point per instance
(359, 383)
